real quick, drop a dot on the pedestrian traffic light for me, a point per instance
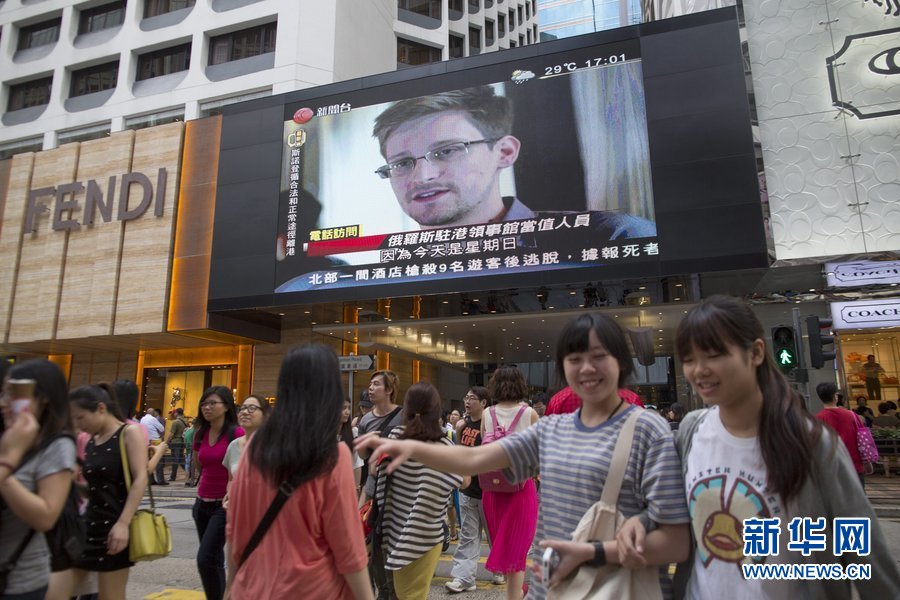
(818, 354)
(784, 346)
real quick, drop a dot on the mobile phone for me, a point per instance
(20, 392)
(548, 565)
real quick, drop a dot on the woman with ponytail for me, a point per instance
(757, 453)
(414, 499)
(111, 504)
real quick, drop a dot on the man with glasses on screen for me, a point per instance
(445, 153)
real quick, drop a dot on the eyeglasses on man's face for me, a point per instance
(445, 154)
(249, 408)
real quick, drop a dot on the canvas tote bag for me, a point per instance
(600, 524)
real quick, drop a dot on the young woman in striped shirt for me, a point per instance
(414, 498)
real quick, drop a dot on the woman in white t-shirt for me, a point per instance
(757, 454)
(251, 415)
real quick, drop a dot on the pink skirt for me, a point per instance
(512, 522)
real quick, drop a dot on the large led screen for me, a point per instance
(619, 154)
(431, 187)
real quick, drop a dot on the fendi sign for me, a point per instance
(65, 199)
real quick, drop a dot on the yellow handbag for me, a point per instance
(600, 523)
(149, 535)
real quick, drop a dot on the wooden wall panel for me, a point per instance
(146, 252)
(127, 365)
(194, 225)
(189, 357)
(89, 285)
(11, 234)
(105, 366)
(5, 170)
(268, 357)
(43, 254)
(81, 369)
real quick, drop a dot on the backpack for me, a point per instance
(495, 481)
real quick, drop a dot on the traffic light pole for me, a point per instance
(801, 373)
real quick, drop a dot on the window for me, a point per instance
(527, 10)
(414, 53)
(521, 20)
(152, 120)
(19, 146)
(512, 43)
(428, 8)
(474, 40)
(101, 17)
(501, 25)
(31, 93)
(94, 79)
(534, 33)
(512, 20)
(83, 134)
(456, 46)
(39, 34)
(456, 5)
(154, 8)
(528, 36)
(521, 40)
(473, 6)
(242, 44)
(164, 62)
(488, 32)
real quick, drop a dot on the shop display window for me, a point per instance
(861, 374)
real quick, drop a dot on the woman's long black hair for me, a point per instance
(346, 432)
(788, 434)
(230, 423)
(298, 441)
(52, 389)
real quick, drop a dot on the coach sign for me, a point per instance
(66, 198)
(866, 314)
(863, 272)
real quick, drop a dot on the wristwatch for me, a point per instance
(599, 559)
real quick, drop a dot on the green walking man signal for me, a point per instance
(784, 346)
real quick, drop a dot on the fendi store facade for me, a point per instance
(105, 246)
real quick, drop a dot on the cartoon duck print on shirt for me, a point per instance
(718, 523)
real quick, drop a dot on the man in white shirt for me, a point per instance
(151, 423)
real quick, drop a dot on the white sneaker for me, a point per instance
(498, 579)
(456, 586)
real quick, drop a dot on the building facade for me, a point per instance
(74, 71)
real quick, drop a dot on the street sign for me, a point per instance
(365, 362)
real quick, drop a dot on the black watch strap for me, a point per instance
(599, 559)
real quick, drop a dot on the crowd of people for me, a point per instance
(280, 488)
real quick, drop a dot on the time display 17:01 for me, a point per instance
(568, 67)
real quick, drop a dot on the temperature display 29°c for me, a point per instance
(591, 63)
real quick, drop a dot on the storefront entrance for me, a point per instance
(166, 389)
